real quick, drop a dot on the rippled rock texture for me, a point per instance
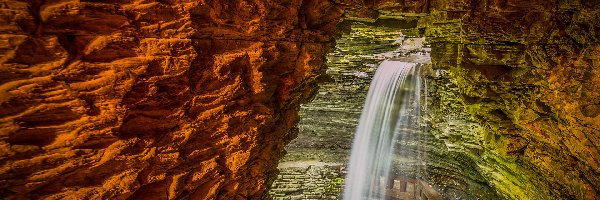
(153, 99)
(195, 99)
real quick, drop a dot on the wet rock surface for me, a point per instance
(328, 122)
(521, 76)
(308, 180)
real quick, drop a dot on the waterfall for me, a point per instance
(392, 106)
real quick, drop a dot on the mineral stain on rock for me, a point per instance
(197, 99)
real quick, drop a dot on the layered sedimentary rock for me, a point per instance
(153, 99)
(196, 99)
(525, 75)
(328, 122)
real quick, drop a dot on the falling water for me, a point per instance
(391, 106)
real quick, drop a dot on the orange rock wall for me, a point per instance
(153, 99)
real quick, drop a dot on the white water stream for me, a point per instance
(392, 103)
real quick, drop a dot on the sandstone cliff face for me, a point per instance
(153, 99)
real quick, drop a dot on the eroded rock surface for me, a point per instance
(524, 77)
(153, 99)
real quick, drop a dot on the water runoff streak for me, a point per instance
(392, 103)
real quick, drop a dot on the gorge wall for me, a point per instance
(153, 99)
(526, 77)
(196, 99)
